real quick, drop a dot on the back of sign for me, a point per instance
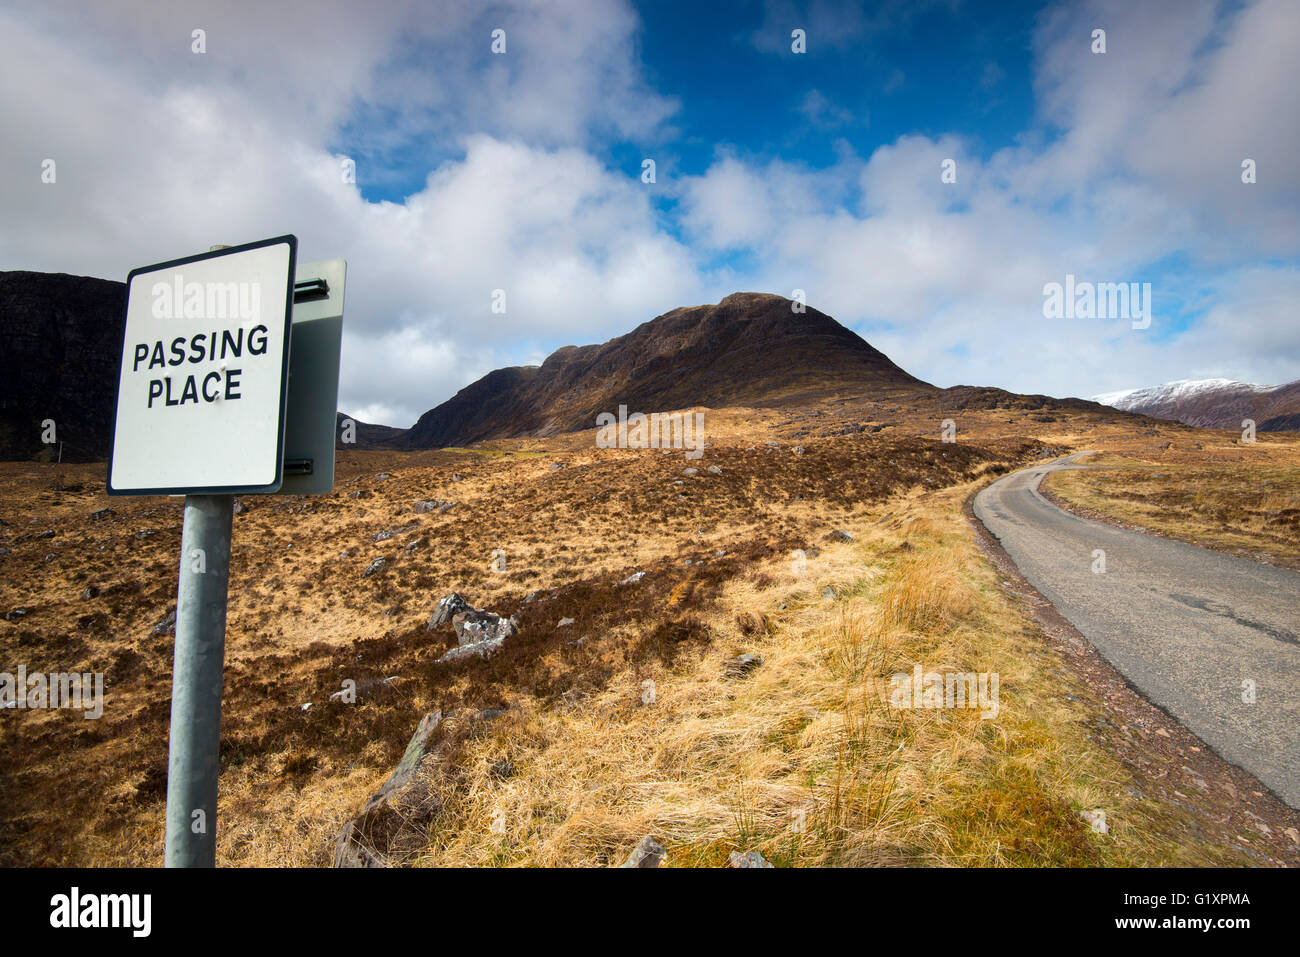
(316, 338)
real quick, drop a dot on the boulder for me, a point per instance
(388, 533)
(477, 649)
(375, 836)
(475, 627)
(647, 853)
(748, 859)
(447, 609)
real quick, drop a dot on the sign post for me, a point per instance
(202, 397)
(197, 668)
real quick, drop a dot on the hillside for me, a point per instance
(60, 342)
(750, 349)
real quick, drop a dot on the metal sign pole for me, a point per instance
(192, 761)
(198, 666)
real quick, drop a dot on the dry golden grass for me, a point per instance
(805, 760)
(1247, 507)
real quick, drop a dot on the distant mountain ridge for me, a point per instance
(750, 349)
(60, 340)
(1214, 403)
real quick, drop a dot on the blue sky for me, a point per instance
(943, 68)
(775, 171)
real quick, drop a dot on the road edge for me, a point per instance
(1197, 761)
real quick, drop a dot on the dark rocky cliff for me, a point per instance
(60, 342)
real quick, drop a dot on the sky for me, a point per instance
(522, 169)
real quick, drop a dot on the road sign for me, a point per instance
(202, 388)
(316, 340)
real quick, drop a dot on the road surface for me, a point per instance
(1187, 626)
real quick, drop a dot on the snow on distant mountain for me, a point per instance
(1214, 403)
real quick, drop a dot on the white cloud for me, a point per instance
(947, 279)
(162, 152)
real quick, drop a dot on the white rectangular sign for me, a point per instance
(202, 388)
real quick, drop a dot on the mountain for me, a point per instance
(60, 342)
(60, 337)
(750, 349)
(1215, 403)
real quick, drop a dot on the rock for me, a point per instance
(445, 506)
(374, 566)
(748, 859)
(447, 609)
(691, 471)
(165, 625)
(798, 450)
(102, 514)
(477, 649)
(839, 535)
(773, 445)
(90, 592)
(531, 596)
(741, 665)
(647, 853)
(829, 592)
(426, 506)
(382, 476)
(565, 623)
(369, 839)
(18, 614)
(715, 469)
(556, 465)
(456, 478)
(388, 533)
(413, 545)
(474, 627)
(633, 578)
(359, 493)
(305, 707)
(237, 507)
